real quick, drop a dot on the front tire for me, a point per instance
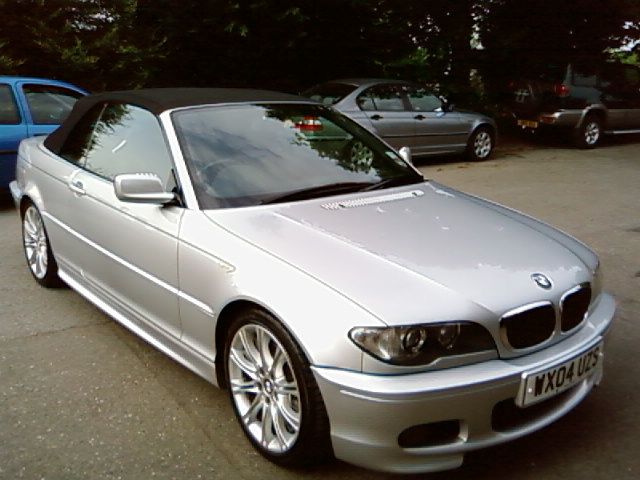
(37, 249)
(274, 395)
(589, 133)
(480, 144)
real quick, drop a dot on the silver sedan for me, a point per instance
(281, 251)
(408, 115)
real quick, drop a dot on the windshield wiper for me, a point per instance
(394, 182)
(318, 191)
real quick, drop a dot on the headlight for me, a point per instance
(422, 344)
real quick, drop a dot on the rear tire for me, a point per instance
(589, 133)
(273, 392)
(37, 249)
(480, 144)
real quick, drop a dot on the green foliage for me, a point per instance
(465, 48)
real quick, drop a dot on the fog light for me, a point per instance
(448, 334)
(430, 434)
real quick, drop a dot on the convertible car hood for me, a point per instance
(407, 255)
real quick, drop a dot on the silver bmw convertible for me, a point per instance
(283, 252)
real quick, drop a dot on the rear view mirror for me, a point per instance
(405, 153)
(141, 188)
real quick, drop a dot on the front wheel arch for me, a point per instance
(312, 443)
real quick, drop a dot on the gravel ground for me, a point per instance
(81, 397)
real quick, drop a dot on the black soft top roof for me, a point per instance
(158, 100)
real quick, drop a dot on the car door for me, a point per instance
(385, 107)
(436, 130)
(48, 106)
(129, 251)
(12, 130)
(615, 96)
(632, 83)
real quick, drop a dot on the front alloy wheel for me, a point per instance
(37, 250)
(273, 392)
(264, 388)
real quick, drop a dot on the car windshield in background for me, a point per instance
(256, 154)
(329, 93)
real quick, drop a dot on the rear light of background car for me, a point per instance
(309, 124)
(561, 90)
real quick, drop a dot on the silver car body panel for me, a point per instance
(426, 133)
(168, 273)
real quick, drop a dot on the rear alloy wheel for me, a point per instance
(480, 144)
(37, 250)
(589, 133)
(273, 392)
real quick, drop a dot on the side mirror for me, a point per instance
(141, 188)
(405, 153)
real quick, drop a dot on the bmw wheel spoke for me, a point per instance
(250, 386)
(245, 365)
(264, 388)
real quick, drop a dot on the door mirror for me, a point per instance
(405, 153)
(141, 188)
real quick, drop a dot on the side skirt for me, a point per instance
(171, 346)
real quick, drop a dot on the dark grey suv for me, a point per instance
(405, 114)
(585, 100)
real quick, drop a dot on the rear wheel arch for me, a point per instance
(598, 112)
(25, 201)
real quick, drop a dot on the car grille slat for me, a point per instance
(529, 325)
(573, 307)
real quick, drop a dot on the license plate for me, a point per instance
(528, 123)
(552, 381)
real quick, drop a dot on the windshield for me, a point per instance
(254, 154)
(329, 93)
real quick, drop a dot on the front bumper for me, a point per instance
(16, 193)
(367, 413)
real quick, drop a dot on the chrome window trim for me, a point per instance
(575, 289)
(184, 180)
(523, 308)
(153, 279)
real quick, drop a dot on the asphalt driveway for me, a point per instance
(83, 398)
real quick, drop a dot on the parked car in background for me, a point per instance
(407, 114)
(586, 101)
(348, 305)
(30, 107)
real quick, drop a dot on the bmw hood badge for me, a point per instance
(541, 280)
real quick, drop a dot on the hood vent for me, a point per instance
(362, 202)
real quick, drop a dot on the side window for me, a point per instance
(585, 78)
(127, 139)
(79, 141)
(385, 98)
(422, 100)
(49, 104)
(8, 109)
(365, 101)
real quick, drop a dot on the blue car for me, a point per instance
(30, 107)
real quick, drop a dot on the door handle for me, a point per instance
(419, 117)
(77, 187)
(376, 117)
